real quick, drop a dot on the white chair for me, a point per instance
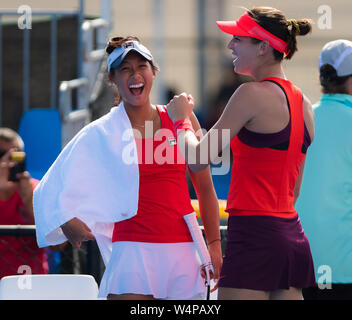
(48, 287)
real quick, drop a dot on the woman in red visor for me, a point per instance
(269, 124)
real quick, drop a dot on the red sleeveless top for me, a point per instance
(163, 191)
(263, 179)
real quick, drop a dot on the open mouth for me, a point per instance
(136, 89)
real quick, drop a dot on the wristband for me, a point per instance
(183, 124)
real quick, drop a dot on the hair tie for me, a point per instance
(294, 23)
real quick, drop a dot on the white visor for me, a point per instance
(118, 55)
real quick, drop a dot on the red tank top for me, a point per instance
(18, 251)
(163, 192)
(263, 179)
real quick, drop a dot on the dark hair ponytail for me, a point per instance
(296, 28)
(274, 21)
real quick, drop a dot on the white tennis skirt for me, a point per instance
(163, 270)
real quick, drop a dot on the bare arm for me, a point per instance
(308, 115)
(209, 210)
(240, 109)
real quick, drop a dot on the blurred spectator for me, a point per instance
(325, 201)
(17, 254)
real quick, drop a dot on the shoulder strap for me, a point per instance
(161, 108)
(295, 100)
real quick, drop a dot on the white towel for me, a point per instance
(95, 178)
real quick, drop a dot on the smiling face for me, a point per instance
(134, 79)
(245, 54)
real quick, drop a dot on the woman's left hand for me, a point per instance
(216, 260)
(180, 107)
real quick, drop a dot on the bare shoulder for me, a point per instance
(250, 95)
(257, 90)
(260, 97)
(251, 90)
(243, 106)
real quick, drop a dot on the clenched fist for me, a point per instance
(180, 107)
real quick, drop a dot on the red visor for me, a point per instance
(245, 26)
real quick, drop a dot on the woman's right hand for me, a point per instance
(77, 231)
(180, 107)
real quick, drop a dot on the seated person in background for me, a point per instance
(17, 254)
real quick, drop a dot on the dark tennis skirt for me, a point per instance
(266, 253)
